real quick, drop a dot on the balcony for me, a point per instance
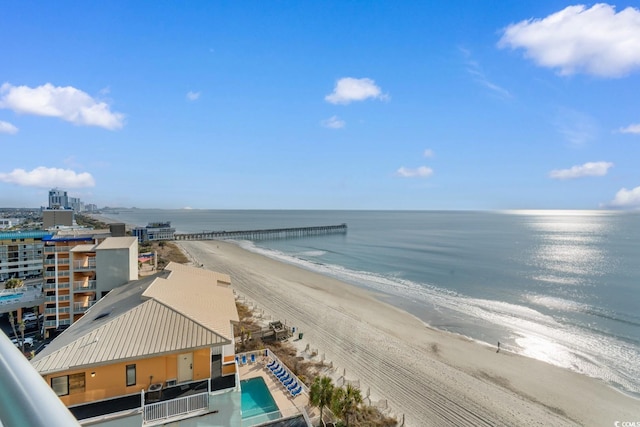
(51, 311)
(52, 298)
(175, 402)
(52, 323)
(86, 264)
(61, 285)
(54, 249)
(61, 273)
(81, 307)
(61, 261)
(84, 285)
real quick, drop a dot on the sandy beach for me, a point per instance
(431, 377)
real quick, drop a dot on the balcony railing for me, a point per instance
(61, 273)
(175, 408)
(81, 307)
(52, 298)
(84, 285)
(53, 249)
(61, 285)
(61, 261)
(87, 264)
(50, 311)
(52, 323)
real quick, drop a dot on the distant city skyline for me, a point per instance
(330, 105)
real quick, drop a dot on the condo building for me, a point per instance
(21, 254)
(80, 267)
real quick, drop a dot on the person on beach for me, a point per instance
(498, 350)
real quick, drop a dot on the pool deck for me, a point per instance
(283, 399)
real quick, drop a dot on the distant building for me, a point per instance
(154, 231)
(58, 199)
(21, 254)
(81, 266)
(56, 217)
(76, 204)
(10, 222)
(90, 207)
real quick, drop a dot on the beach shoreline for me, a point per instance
(429, 376)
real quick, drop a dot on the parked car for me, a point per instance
(28, 341)
(31, 317)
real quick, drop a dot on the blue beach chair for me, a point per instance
(284, 377)
(293, 386)
(237, 359)
(271, 364)
(296, 391)
(278, 371)
(253, 358)
(288, 382)
(244, 359)
(283, 374)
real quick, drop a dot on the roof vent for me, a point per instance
(103, 314)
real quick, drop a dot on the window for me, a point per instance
(131, 375)
(68, 384)
(60, 385)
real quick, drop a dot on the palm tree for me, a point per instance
(321, 393)
(346, 401)
(13, 283)
(12, 322)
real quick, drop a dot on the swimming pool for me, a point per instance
(10, 297)
(257, 402)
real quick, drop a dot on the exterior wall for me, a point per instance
(53, 217)
(110, 381)
(115, 267)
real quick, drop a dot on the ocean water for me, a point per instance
(559, 286)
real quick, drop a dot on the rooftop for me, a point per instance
(118, 242)
(163, 313)
(28, 234)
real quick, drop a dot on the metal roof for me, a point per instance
(168, 312)
(118, 242)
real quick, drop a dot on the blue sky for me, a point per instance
(321, 105)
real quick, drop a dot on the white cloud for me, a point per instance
(627, 198)
(428, 153)
(587, 169)
(595, 41)
(6, 127)
(349, 89)
(421, 172)
(66, 103)
(635, 128)
(48, 177)
(192, 96)
(333, 122)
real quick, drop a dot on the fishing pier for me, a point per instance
(275, 233)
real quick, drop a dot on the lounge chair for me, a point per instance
(271, 364)
(278, 371)
(293, 386)
(296, 391)
(284, 378)
(283, 374)
(288, 382)
(253, 358)
(244, 359)
(237, 359)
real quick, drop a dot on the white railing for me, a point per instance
(59, 261)
(52, 298)
(61, 285)
(176, 407)
(61, 273)
(82, 285)
(52, 249)
(81, 307)
(89, 263)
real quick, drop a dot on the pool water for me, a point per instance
(257, 401)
